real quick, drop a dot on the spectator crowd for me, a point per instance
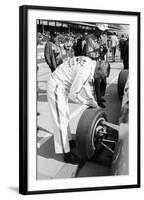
(61, 46)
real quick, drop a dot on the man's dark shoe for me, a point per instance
(71, 158)
(72, 144)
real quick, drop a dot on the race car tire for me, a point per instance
(85, 132)
(123, 75)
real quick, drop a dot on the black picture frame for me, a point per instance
(23, 97)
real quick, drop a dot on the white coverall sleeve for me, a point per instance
(88, 92)
(82, 76)
(81, 82)
(76, 87)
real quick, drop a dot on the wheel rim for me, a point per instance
(96, 134)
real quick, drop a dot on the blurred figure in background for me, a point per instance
(69, 47)
(103, 52)
(114, 44)
(78, 47)
(121, 46)
(52, 52)
(126, 54)
(104, 39)
(39, 38)
(84, 43)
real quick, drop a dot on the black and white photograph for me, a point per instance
(82, 98)
(81, 69)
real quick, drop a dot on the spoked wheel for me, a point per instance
(98, 134)
(92, 134)
(104, 137)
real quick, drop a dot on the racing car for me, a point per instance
(95, 133)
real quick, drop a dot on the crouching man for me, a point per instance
(66, 82)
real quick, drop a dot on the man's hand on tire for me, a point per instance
(91, 103)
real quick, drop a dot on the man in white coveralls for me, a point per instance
(66, 82)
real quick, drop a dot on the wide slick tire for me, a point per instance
(123, 75)
(86, 130)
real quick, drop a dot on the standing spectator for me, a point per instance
(104, 39)
(92, 47)
(121, 46)
(103, 52)
(51, 52)
(101, 73)
(126, 55)
(78, 47)
(69, 48)
(84, 42)
(114, 44)
(39, 38)
(74, 45)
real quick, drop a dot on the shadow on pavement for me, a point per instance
(47, 151)
(14, 189)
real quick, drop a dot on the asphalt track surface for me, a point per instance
(50, 165)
